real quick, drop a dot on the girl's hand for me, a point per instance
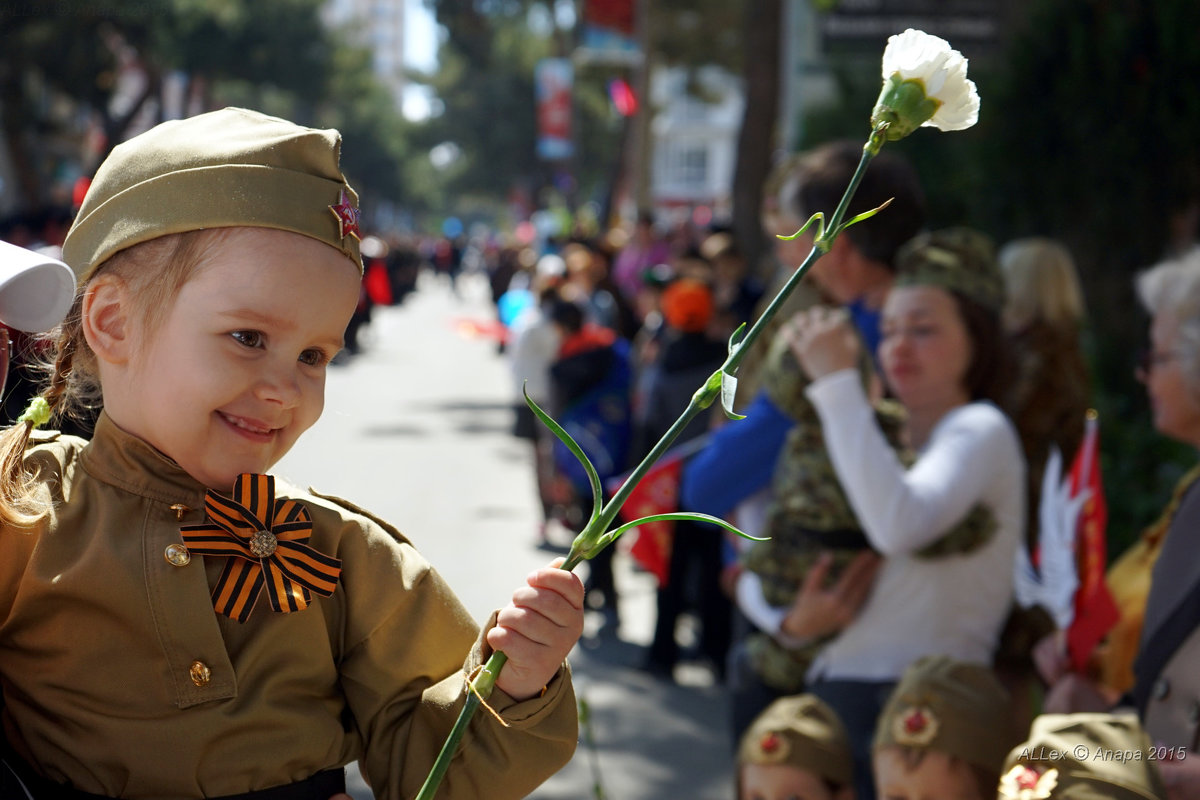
(537, 630)
(823, 340)
(819, 611)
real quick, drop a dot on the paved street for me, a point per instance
(416, 429)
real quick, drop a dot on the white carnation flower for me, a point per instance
(924, 84)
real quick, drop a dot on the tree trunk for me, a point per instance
(15, 127)
(763, 32)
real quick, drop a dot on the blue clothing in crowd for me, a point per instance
(740, 457)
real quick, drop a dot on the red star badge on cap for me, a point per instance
(347, 216)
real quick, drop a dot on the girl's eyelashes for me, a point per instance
(256, 340)
(252, 339)
(315, 357)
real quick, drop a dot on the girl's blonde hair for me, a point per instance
(1042, 284)
(154, 271)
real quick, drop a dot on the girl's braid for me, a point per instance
(60, 376)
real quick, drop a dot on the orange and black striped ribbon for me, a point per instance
(289, 574)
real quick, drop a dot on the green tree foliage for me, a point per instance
(273, 55)
(1093, 141)
(487, 88)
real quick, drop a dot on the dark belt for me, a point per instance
(321, 786)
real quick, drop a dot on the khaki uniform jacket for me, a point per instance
(120, 678)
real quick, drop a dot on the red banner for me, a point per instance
(657, 493)
(554, 78)
(1095, 610)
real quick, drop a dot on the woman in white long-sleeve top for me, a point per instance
(942, 357)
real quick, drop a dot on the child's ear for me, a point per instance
(106, 319)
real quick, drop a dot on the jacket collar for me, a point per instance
(126, 462)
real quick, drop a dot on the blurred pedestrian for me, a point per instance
(644, 249)
(1164, 619)
(1051, 388)
(736, 293)
(592, 385)
(535, 342)
(687, 356)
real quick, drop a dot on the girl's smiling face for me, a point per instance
(235, 371)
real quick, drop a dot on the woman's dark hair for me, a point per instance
(991, 366)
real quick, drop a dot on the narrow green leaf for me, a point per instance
(692, 515)
(865, 215)
(818, 217)
(565, 438)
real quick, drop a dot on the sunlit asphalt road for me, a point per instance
(417, 429)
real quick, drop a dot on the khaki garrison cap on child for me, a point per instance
(802, 732)
(950, 707)
(1084, 757)
(227, 168)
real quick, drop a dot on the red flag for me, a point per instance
(1095, 610)
(656, 493)
(624, 98)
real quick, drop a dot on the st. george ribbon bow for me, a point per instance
(266, 540)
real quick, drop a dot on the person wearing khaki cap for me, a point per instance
(796, 748)
(164, 636)
(944, 732)
(1086, 756)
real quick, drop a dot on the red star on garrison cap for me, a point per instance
(347, 216)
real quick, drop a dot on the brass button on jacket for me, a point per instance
(177, 555)
(200, 673)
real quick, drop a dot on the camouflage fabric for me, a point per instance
(959, 260)
(809, 514)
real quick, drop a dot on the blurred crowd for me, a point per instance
(921, 612)
(924, 615)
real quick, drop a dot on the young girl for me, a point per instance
(161, 636)
(795, 748)
(943, 733)
(942, 356)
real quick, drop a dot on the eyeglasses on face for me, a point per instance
(1149, 358)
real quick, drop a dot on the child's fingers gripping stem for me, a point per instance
(537, 630)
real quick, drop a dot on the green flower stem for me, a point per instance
(594, 537)
(481, 690)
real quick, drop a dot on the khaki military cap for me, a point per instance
(952, 707)
(1084, 757)
(800, 731)
(226, 168)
